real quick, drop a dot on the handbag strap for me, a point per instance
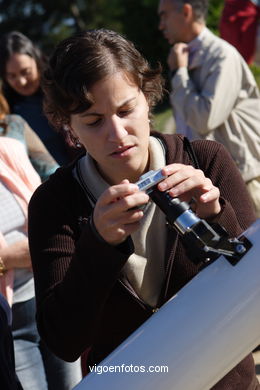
(192, 155)
(84, 184)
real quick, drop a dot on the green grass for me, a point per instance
(256, 72)
(161, 118)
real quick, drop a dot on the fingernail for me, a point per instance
(174, 192)
(134, 187)
(162, 186)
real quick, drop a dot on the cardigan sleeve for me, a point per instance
(74, 271)
(40, 158)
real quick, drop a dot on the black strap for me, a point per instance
(187, 146)
(83, 183)
(189, 149)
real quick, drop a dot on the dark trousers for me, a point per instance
(37, 368)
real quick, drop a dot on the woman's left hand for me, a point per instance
(16, 255)
(188, 183)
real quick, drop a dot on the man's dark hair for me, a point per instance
(200, 7)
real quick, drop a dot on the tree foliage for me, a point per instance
(215, 10)
(46, 22)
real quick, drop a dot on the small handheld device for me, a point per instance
(149, 180)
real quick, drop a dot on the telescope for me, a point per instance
(208, 327)
(207, 243)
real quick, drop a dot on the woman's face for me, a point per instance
(115, 129)
(22, 74)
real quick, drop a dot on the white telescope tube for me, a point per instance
(198, 336)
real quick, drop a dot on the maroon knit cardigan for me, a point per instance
(81, 300)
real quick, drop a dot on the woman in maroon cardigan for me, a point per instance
(103, 256)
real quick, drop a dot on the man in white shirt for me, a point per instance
(214, 94)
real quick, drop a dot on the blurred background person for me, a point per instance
(239, 25)
(21, 67)
(36, 367)
(214, 95)
(14, 126)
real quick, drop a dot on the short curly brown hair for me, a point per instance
(80, 61)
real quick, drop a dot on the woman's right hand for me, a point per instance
(117, 213)
(178, 56)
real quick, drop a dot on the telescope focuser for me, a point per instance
(205, 242)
